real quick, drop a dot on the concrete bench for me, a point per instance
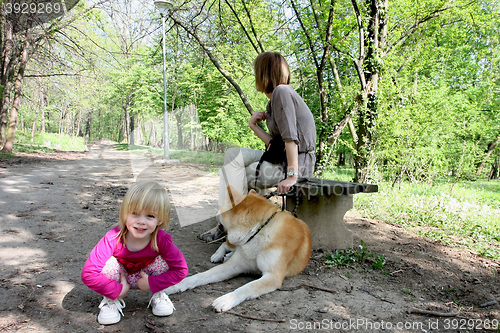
(322, 204)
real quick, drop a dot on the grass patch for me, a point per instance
(464, 213)
(342, 174)
(349, 257)
(47, 142)
(202, 157)
(28, 148)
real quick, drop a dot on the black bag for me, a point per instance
(275, 154)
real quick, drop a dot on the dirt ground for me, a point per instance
(56, 206)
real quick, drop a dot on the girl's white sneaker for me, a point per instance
(110, 311)
(161, 304)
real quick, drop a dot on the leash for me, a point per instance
(262, 226)
(293, 192)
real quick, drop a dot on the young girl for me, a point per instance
(137, 253)
(287, 116)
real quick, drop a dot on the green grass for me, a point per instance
(462, 213)
(343, 174)
(31, 148)
(349, 257)
(46, 142)
(202, 157)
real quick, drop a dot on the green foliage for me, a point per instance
(349, 257)
(466, 213)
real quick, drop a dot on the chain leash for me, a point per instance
(293, 192)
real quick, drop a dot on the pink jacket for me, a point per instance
(109, 247)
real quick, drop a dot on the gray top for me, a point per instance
(288, 115)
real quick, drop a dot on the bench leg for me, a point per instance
(325, 217)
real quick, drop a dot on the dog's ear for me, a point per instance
(235, 197)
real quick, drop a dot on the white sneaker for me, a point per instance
(110, 311)
(161, 304)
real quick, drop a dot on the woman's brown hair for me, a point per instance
(271, 70)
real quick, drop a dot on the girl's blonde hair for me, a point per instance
(271, 70)
(150, 197)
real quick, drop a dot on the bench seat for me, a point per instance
(322, 204)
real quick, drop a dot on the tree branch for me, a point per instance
(216, 63)
(414, 27)
(252, 26)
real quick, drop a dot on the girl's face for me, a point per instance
(141, 225)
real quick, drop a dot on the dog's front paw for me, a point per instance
(225, 303)
(217, 256)
(228, 255)
(173, 289)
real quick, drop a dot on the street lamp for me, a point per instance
(164, 7)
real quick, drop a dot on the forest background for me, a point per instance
(404, 92)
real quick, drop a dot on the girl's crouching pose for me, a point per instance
(137, 253)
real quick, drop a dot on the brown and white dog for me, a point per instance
(264, 240)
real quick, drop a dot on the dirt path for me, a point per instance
(55, 207)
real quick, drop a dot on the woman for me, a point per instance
(287, 116)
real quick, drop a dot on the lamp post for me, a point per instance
(164, 7)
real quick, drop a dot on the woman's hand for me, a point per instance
(143, 282)
(126, 286)
(286, 184)
(256, 117)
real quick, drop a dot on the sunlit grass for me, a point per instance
(343, 174)
(464, 213)
(202, 157)
(46, 142)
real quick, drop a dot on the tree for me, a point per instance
(22, 33)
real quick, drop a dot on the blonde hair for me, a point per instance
(271, 70)
(145, 196)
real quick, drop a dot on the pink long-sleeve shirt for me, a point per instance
(109, 246)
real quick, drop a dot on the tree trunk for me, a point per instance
(7, 73)
(132, 130)
(178, 120)
(11, 132)
(368, 66)
(152, 134)
(62, 117)
(495, 169)
(491, 148)
(88, 126)
(33, 128)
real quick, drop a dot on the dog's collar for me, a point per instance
(262, 226)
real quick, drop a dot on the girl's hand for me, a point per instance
(286, 184)
(143, 282)
(126, 286)
(257, 117)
